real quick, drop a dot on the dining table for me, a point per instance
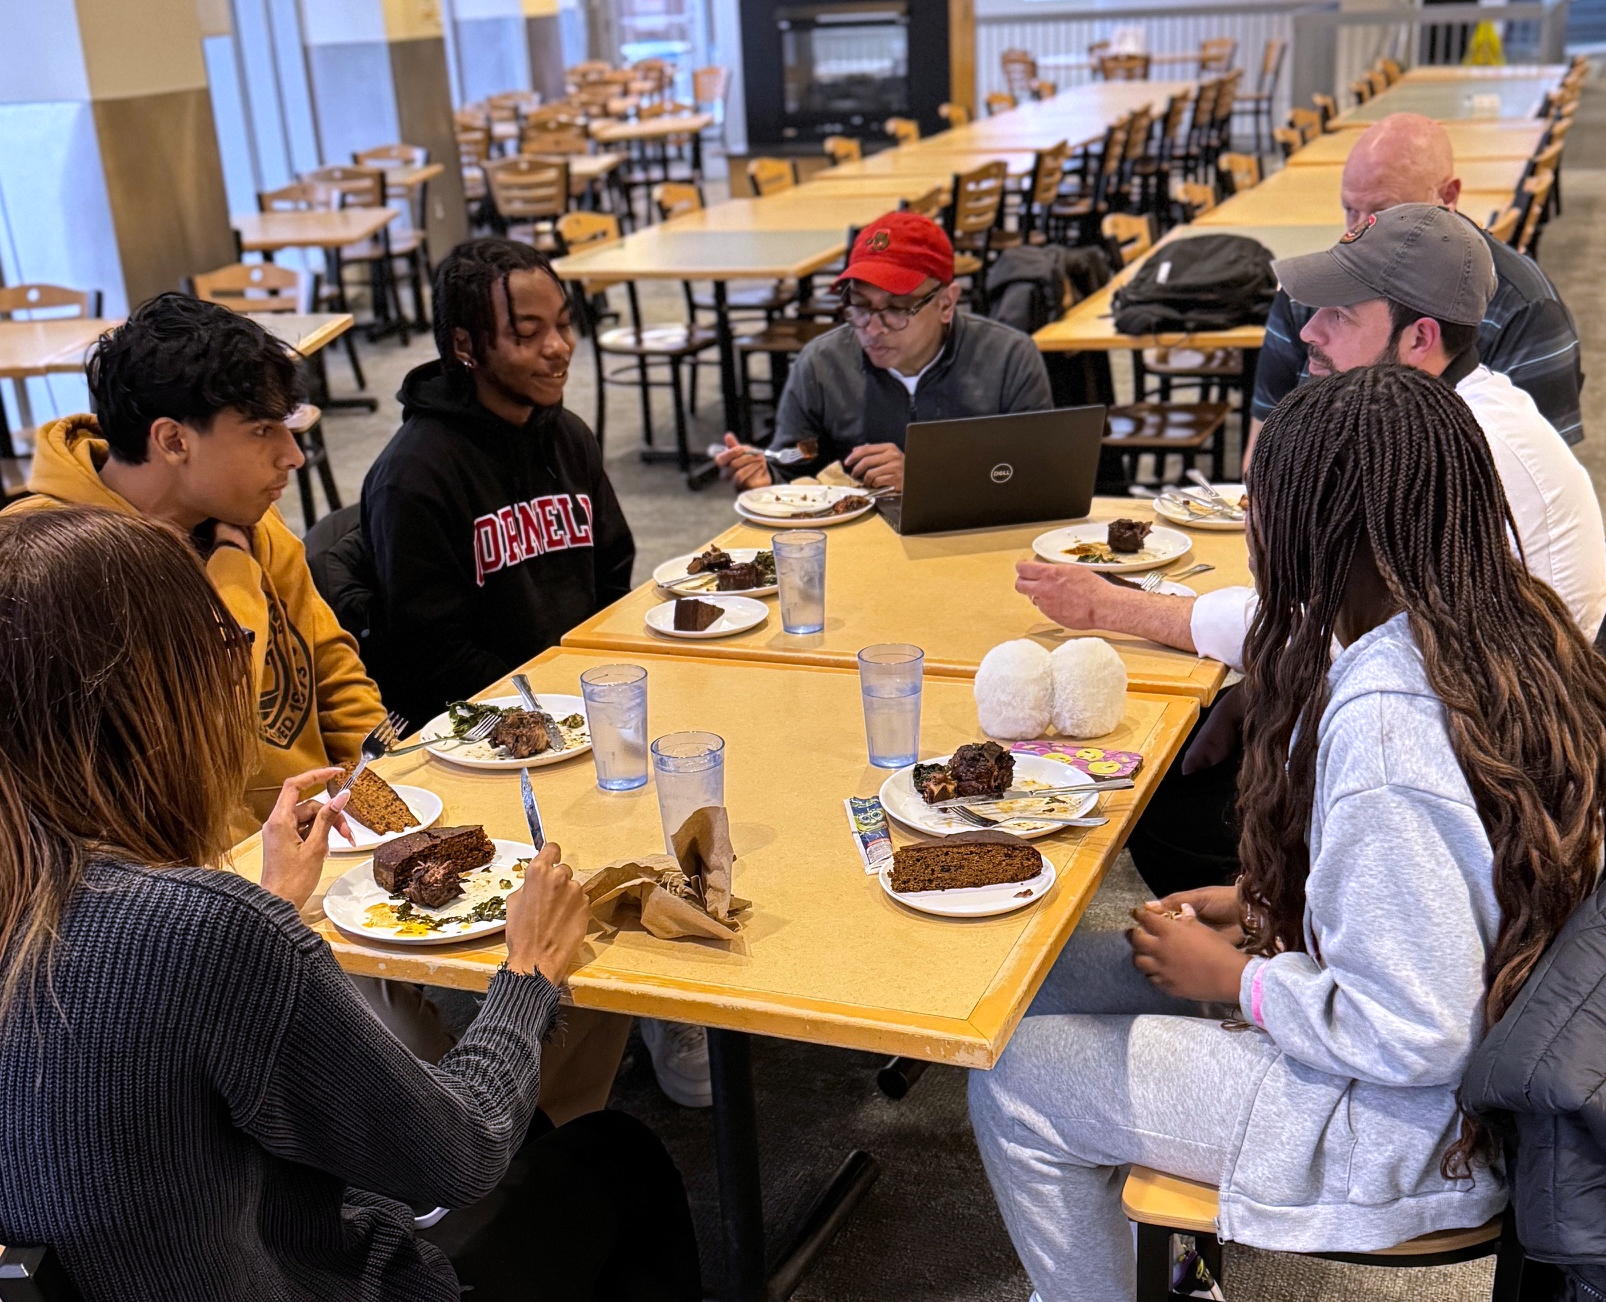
(1470, 141)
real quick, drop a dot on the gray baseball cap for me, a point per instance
(1429, 258)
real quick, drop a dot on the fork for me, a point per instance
(789, 456)
(482, 729)
(977, 820)
(376, 744)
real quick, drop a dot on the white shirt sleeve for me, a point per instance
(1220, 624)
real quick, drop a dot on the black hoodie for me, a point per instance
(489, 542)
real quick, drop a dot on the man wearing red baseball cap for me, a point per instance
(905, 353)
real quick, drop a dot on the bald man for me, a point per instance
(1527, 333)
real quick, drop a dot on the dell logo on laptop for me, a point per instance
(1002, 473)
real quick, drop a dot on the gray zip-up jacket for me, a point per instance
(1368, 1032)
(836, 395)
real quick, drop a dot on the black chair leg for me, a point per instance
(351, 356)
(309, 509)
(326, 473)
(601, 423)
(1154, 1264)
(682, 446)
(646, 400)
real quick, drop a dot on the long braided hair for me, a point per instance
(1389, 460)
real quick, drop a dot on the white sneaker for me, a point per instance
(679, 1060)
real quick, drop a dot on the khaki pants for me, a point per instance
(578, 1062)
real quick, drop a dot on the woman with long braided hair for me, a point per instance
(1421, 810)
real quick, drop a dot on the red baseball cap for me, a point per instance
(898, 253)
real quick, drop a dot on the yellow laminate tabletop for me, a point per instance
(951, 594)
(824, 955)
(679, 124)
(1311, 195)
(305, 333)
(788, 211)
(1469, 140)
(265, 232)
(1551, 72)
(42, 347)
(1453, 101)
(668, 251)
(1090, 325)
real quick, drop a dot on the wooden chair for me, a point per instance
(269, 287)
(1128, 235)
(1537, 188)
(1087, 202)
(1391, 70)
(842, 149)
(930, 204)
(588, 70)
(1122, 67)
(1198, 151)
(528, 195)
(1196, 198)
(473, 149)
(364, 187)
(709, 86)
(1217, 54)
(1549, 156)
(1042, 190)
(1257, 103)
(904, 130)
(398, 155)
(1045, 89)
(1327, 106)
(1361, 89)
(32, 302)
(1288, 140)
(1020, 71)
(1151, 172)
(1163, 1205)
(1242, 169)
(955, 115)
(674, 199)
(416, 197)
(770, 176)
(557, 141)
(669, 346)
(1306, 121)
(999, 102)
(973, 213)
(1503, 226)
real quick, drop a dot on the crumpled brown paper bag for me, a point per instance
(688, 895)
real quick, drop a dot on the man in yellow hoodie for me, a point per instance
(189, 427)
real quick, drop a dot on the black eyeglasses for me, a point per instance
(894, 319)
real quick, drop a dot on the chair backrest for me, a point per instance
(675, 199)
(1176, 113)
(1048, 171)
(588, 70)
(771, 175)
(1045, 89)
(1379, 80)
(1020, 71)
(1504, 227)
(549, 116)
(1391, 69)
(1308, 122)
(254, 287)
(999, 102)
(1538, 188)
(1128, 235)
(1122, 67)
(1558, 130)
(710, 85)
(1271, 66)
(1197, 197)
(903, 130)
(1226, 93)
(359, 187)
(1243, 168)
(1361, 89)
(391, 156)
(528, 189)
(471, 117)
(930, 204)
(565, 141)
(582, 230)
(1327, 106)
(978, 198)
(1217, 54)
(298, 196)
(1139, 126)
(1204, 105)
(1289, 139)
(842, 149)
(56, 300)
(955, 115)
(1548, 157)
(473, 145)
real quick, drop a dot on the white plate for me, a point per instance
(974, 901)
(741, 614)
(483, 755)
(776, 506)
(352, 894)
(426, 807)
(669, 571)
(900, 799)
(1217, 523)
(1161, 547)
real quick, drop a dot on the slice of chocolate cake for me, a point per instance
(465, 847)
(373, 802)
(434, 882)
(693, 616)
(959, 861)
(982, 769)
(739, 578)
(522, 733)
(709, 561)
(1127, 535)
(934, 782)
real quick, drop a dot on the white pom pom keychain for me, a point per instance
(1015, 691)
(1089, 687)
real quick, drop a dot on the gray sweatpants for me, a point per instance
(1103, 1071)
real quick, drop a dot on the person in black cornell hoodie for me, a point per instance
(491, 522)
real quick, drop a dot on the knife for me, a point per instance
(532, 815)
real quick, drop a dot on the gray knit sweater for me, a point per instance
(193, 1110)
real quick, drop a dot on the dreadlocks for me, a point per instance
(465, 281)
(1389, 460)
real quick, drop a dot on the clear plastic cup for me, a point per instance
(689, 768)
(889, 686)
(616, 712)
(800, 573)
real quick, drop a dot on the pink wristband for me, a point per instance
(1254, 997)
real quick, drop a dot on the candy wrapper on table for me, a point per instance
(688, 895)
(1095, 761)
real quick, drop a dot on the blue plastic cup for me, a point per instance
(800, 573)
(689, 768)
(616, 713)
(889, 686)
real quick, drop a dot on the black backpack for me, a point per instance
(1203, 282)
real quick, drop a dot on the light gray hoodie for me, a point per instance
(1339, 1141)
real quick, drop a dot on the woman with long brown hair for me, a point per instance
(1421, 811)
(194, 1095)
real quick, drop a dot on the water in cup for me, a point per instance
(616, 713)
(800, 573)
(689, 768)
(889, 685)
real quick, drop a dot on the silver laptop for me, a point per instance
(984, 471)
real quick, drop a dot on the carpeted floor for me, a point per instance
(928, 1229)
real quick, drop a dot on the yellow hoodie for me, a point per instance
(315, 699)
